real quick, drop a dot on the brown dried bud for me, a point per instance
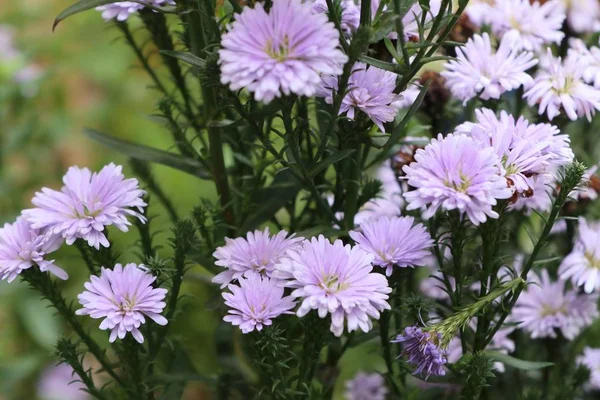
(463, 30)
(405, 156)
(437, 95)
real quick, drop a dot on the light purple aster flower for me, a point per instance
(409, 96)
(455, 173)
(528, 25)
(350, 13)
(22, 247)
(527, 152)
(393, 241)
(583, 16)
(87, 204)
(423, 351)
(337, 279)
(590, 57)
(282, 52)
(123, 296)
(123, 9)
(481, 71)
(370, 90)
(256, 302)
(591, 359)
(413, 17)
(366, 387)
(546, 307)
(560, 85)
(60, 383)
(258, 252)
(582, 265)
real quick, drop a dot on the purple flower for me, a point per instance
(258, 252)
(123, 9)
(366, 387)
(582, 265)
(528, 152)
(546, 307)
(350, 13)
(22, 247)
(590, 57)
(123, 296)
(87, 204)
(423, 351)
(455, 173)
(583, 16)
(560, 85)
(256, 302)
(393, 241)
(282, 52)
(481, 71)
(527, 25)
(591, 359)
(335, 279)
(370, 90)
(59, 383)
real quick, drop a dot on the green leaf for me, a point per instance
(332, 159)
(516, 363)
(282, 190)
(40, 321)
(145, 153)
(188, 58)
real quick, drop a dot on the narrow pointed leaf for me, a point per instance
(188, 58)
(324, 164)
(516, 363)
(142, 152)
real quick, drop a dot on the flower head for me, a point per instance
(22, 247)
(546, 307)
(370, 90)
(258, 252)
(423, 351)
(527, 24)
(282, 52)
(591, 359)
(256, 302)
(350, 13)
(582, 265)
(583, 16)
(86, 204)
(528, 152)
(123, 296)
(366, 387)
(414, 15)
(481, 71)
(560, 85)
(335, 279)
(123, 9)
(393, 241)
(455, 173)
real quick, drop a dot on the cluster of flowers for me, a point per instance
(332, 278)
(82, 210)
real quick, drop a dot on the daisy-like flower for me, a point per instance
(256, 302)
(481, 71)
(366, 387)
(582, 265)
(282, 52)
(87, 204)
(527, 151)
(123, 9)
(590, 57)
(456, 173)
(528, 24)
(591, 359)
(335, 279)
(370, 90)
(546, 307)
(393, 241)
(560, 85)
(583, 16)
(22, 247)
(59, 382)
(480, 12)
(123, 296)
(258, 252)
(350, 14)
(422, 348)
